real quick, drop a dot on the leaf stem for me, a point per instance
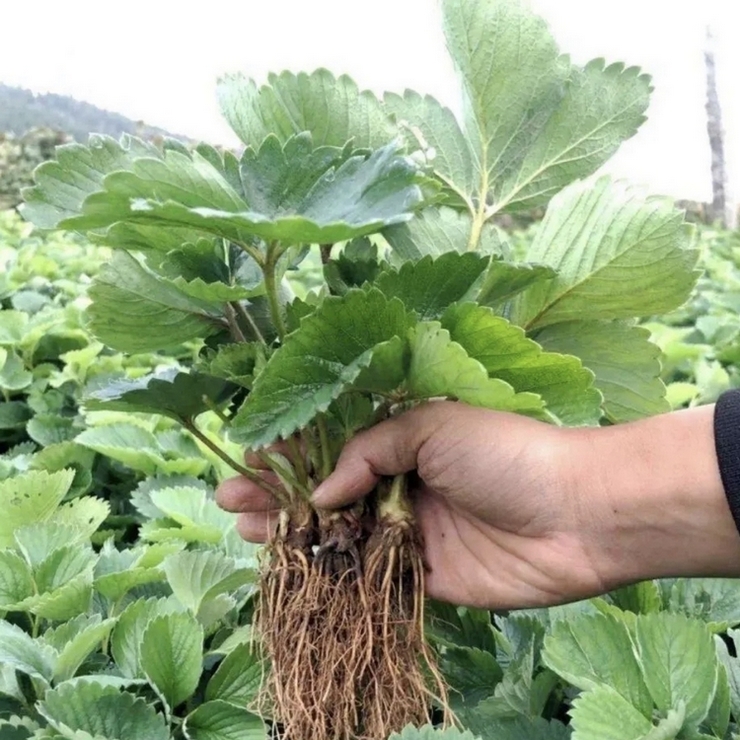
(326, 464)
(269, 270)
(249, 474)
(236, 332)
(216, 410)
(247, 317)
(480, 216)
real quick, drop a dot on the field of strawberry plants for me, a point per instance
(165, 308)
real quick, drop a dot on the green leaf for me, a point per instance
(234, 362)
(519, 728)
(218, 720)
(429, 125)
(191, 508)
(731, 664)
(322, 359)
(678, 663)
(19, 650)
(39, 540)
(126, 640)
(170, 392)
(12, 327)
(13, 375)
(639, 598)
(101, 712)
(357, 264)
(506, 353)
(16, 580)
(331, 108)
(594, 651)
(171, 656)
(78, 171)
(134, 310)
(625, 362)
(471, 673)
(31, 497)
(87, 639)
(14, 414)
(718, 717)
(535, 122)
(436, 231)
(617, 254)
(430, 733)
(440, 368)
(49, 429)
(604, 714)
(238, 678)
(429, 286)
(504, 280)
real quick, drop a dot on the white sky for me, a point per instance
(153, 60)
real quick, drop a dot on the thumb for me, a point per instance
(389, 448)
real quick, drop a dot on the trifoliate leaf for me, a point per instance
(597, 651)
(197, 577)
(625, 362)
(82, 709)
(427, 125)
(535, 122)
(440, 368)
(238, 678)
(126, 639)
(506, 353)
(170, 392)
(436, 231)
(678, 662)
(31, 497)
(20, 650)
(322, 359)
(74, 652)
(357, 264)
(171, 656)
(429, 286)
(331, 108)
(219, 720)
(78, 171)
(604, 714)
(430, 733)
(16, 579)
(504, 280)
(617, 255)
(134, 310)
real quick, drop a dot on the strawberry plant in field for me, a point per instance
(342, 268)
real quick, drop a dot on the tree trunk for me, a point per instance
(720, 206)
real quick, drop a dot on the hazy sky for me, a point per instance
(154, 61)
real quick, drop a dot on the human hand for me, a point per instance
(517, 513)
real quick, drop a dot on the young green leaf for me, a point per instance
(626, 364)
(171, 656)
(171, 392)
(88, 709)
(617, 254)
(678, 663)
(219, 720)
(323, 358)
(597, 651)
(429, 286)
(135, 310)
(331, 108)
(440, 368)
(506, 353)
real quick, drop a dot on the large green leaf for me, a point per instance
(436, 231)
(535, 122)
(91, 633)
(505, 279)
(617, 255)
(331, 108)
(219, 720)
(623, 359)
(292, 193)
(239, 677)
(19, 650)
(429, 286)
(323, 358)
(16, 579)
(440, 368)
(101, 712)
(506, 353)
(171, 392)
(597, 651)
(31, 497)
(134, 310)
(678, 662)
(471, 673)
(171, 656)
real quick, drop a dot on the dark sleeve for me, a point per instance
(727, 443)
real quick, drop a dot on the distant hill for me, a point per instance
(22, 110)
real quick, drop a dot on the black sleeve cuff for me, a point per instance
(727, 444)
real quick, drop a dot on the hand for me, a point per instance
(517, 513)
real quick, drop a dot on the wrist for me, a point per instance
(651, 500)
